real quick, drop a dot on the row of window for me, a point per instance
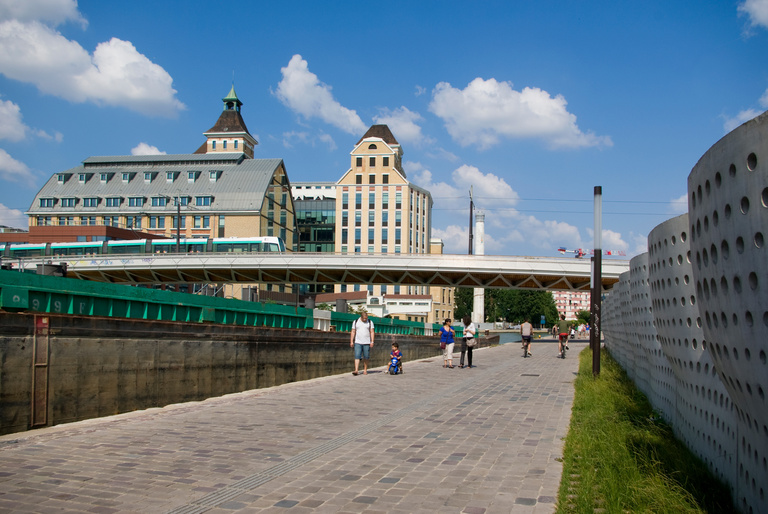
(133, 201)
(372, 163)
(155, 222)
(371, 236)
(371, 218)
(224, 144)
(372, 200)
(149, 176)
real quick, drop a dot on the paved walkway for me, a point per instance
(480, 440)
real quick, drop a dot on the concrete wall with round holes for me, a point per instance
(689, 321)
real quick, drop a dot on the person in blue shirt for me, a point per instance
(446, 343)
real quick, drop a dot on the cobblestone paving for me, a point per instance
(481, 440)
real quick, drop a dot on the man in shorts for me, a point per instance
(361, 339)
(526, 334)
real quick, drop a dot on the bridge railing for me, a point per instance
(20, 292)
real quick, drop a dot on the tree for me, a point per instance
(583, 317)
(512, 305)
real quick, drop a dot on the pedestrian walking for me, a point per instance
(526, 334)
(361, 339)
(468, 341)
(446, 343)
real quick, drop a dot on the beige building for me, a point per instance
(377, 209)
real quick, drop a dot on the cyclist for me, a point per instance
(526, 334)
(563, 333)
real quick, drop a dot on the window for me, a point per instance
(345, 200)
(385, 201)
(88, 220)
(358, 200)
(371, 200)
(384, 236)
(113, 202)
(371, 235)
(213, 145)
(235, 144)
(398, 200)
(43, 221)
(202, 222)
(176, 222)
(61, 178)
(371, 218)
(183, 200)
(157, 222)
(372, 162)
(398, 218)
(126, 177)
(203, 201)
(136, 201)
(66, 220)
(169, 176)
(358, 219)
(385, 178)
(68, 202)
(224, 145)
(159, 201)
(344, 219)
(103, 177)
(46, 202)
(384, 218)
(371, 178)
(359, 162)
(358, 235)
(213, 175)
(82, 177)
(385, 161)
(112, 221)
(372, 146)
(344, 233)
(397, 238)
(358, 179)
(133, 222)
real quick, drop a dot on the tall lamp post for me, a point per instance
(597, 283)
(178, 224)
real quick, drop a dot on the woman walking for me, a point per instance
(468, 341)
(446, 343)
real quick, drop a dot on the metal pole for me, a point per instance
(471, 210)
(178, 225)
(598, 282)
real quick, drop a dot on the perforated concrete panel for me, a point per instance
(728, 210)
(706, 419)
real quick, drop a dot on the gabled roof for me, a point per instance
(382, 132)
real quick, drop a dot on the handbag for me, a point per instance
(471, 342)
(442, 345)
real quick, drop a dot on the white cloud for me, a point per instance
(488, 110)
(12, 170)
(744, 116)
(57, 136)
(420, 90)
(54, 12)
(11, 126)
(679, 205)
(302, 92)
(13, 218)
(146, 149)
(115, 75)
(756, 10)
(403, 124)
(290, 139)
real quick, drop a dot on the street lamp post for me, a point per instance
(178, 224)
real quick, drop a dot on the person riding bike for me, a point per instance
(526, 334)
(562, 326)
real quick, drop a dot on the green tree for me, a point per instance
(582, 317)
(512, 305)
(463, 301)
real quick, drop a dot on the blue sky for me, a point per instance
(530, 104)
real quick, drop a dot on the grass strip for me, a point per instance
(621, 457)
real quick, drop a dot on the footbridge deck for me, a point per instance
(487, 271)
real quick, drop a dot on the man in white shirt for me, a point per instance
(361, 339)
(526, 334)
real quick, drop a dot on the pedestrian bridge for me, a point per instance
(486, 271)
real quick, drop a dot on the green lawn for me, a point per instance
(620, 457)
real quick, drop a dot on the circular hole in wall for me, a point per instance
(727, 211)
(737, 284)
(764, 197)
(744, 205)
(715, 218)
(759, 240)
(732, 170)
(713, 254)
(725, 250)
(707, 187)
(724, 284)
(748, 318)
(706, 223)
(753, 280)
(751, 162)
(740, 244)
(718, 179)
(683, 236)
